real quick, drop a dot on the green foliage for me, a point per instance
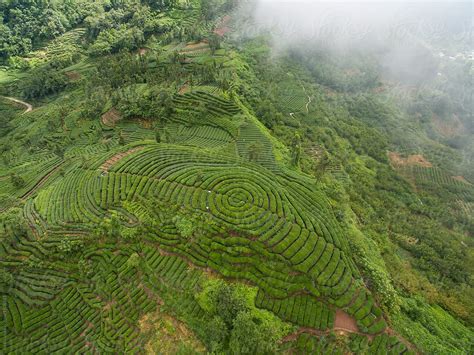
(67, 246)
(254, 334)
(110, 227)
(156, 103)
(110, 216)
(17, 181)
(42, 82)
(25, 24)
(432, 328)
(235, 323)
(115, 39)
(209, 9)
(6, 280)
(133, 261)
(216, 334)
(296, 150)
(184, 225)
(214, 43)
(255, 151)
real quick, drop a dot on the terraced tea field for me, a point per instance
(278, 218)
(176, 180)
(261, 224)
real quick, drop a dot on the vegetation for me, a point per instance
(181, 190)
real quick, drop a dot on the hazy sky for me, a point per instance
(356, 18)
(404, 33)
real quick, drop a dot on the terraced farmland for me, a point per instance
(178, 183)
(275, 218)
(54, 312)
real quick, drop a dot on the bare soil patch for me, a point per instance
(184, 89)
(461, 178)
(345, 322)
(192, 46)
(113, 160)
(222, 27)
(111, 117)
(416, 159)
(73, 75)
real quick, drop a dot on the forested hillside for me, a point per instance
(170, 185)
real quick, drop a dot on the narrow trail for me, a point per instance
(309, 98)
(41, 182)
(114, 159)
(346, 330)
(28, 106)
(307, 104)
(319, 333)
(343, 324)
(35, 187)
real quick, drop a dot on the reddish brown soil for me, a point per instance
(221, 31)
(222, 28)
(110, 117)
(73, 75)
(195, 46)
(461, 178)
(184, 89)
(111, 161)
(417, 159)
(344, 321)
(343, 325)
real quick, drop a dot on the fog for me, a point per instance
(416, 47)
(406, 36)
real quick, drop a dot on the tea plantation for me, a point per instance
(171, 180)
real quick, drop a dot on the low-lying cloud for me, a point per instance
(402, 33)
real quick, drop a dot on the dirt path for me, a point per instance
(41, 182)
(309, 98)
(114, 159)
(319, 333)
(28, 106)
(35, 187)
(345, 324)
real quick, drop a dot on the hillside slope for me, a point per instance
(174, 188)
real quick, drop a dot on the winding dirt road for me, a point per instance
(28, 106)
(309, 98)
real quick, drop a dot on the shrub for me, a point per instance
(43, 82)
